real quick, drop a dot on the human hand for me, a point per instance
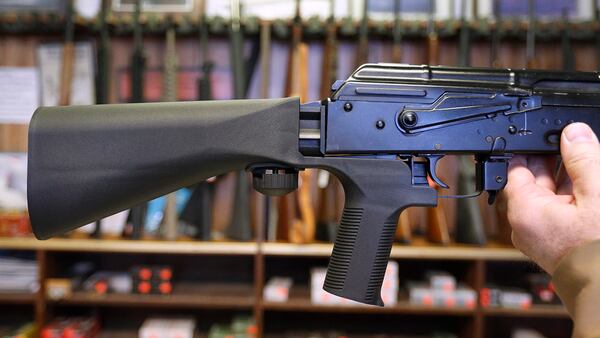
(549, 216)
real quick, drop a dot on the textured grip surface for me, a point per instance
(360, 254)
(376, 192)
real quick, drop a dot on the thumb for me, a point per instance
(580, 152)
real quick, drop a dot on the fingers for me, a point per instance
(542, 168)
(518, 176)
(580, 152)
(564, 186)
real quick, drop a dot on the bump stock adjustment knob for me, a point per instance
(275, 181)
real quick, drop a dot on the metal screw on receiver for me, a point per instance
(408, 119)
(347, 106)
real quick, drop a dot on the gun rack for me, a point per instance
(313, 28)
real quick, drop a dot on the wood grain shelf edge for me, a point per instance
(555, 311)
(417, 251)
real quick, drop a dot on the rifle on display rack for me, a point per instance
(404, 227)
(102, 76)
(362, 53)
(239, 227)
(68, 57)
(262, 206)
(329, 209)
(198, 211)
(437, 223)
(137, 215)
(397, 34)
(432, 36)
(170, 217)
(381, 132)
(496, 36)
(565, 43)
(470, 226)
(464, 46)
(531, 32)
(297, 221)
(103, 58)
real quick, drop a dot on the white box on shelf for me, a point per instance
(441, 280)
(277, 289)
(167, 328)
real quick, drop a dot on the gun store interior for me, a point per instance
(217, 258)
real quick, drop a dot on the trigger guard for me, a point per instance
(432, 161)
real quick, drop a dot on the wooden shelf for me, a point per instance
(557, 311)
(299, 301)
(420, 249)
(130, 246)
(213, 296)
(417, 250)
(17, 298)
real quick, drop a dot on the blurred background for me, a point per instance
(219, 260)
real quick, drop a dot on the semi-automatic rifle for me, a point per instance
(200, 206)
(432, 36)
(362, 52)
(531, 32)
(496, 36)
(68, 57)
(297, 216)
(381, 132)
(170, 217)
(397, 34)
(103, 58)
(328, 208)
(137, 214)
(464, 43)
(102, 76)
(239, 227)
(568, 58)
(437, 228)
(469, 220)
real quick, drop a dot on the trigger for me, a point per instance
(432, 160)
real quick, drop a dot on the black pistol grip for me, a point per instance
(359, 259)
(376, 192)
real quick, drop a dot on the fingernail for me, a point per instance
(578, 132)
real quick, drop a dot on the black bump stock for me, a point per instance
(87, 162)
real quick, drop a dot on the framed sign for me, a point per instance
(154, 5)
(57, 6)
(577, 10)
